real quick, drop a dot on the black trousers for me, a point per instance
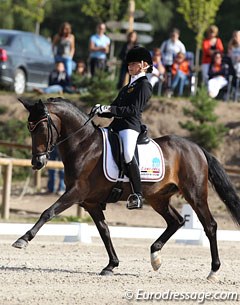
(97, 64)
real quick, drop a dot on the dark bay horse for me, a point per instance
(187, 171)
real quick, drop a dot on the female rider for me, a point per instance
(126, 110)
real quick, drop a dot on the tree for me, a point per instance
(203, 126)
(33, 10)
(199, 15)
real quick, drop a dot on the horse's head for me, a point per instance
(44, 131)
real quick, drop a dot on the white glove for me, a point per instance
(102, 109)
(94, 109)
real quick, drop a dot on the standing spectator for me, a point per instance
(218, 74)
(234, 51)
(59, 81)
(169, 49)
(158, 68)
(180, 72)
(51, 185)
(64, 46)
(128, 45)
(210, 45)
(99, 48)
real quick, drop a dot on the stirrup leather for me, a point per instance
(134, 201)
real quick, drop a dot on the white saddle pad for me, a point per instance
(151, 162)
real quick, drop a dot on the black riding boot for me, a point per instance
(135, 200)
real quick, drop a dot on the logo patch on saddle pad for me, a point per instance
(151, 162)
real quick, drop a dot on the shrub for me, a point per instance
(101, 90)
(203, 128)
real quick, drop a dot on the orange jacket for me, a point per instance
(206, 47)
(183, 66)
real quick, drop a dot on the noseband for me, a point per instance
(50, 126)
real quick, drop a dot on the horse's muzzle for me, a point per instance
(39, 162)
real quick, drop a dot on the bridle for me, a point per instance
(32, 125)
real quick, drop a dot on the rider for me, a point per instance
(126, 110)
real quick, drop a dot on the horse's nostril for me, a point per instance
(39, 164)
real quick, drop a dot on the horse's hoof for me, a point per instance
(20, 243)
(155, 261)
(106, 272)
(212, 277)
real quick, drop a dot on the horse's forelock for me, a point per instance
(36, 111)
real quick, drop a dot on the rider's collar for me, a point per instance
(135, 77)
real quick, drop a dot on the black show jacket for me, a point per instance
(127, 108)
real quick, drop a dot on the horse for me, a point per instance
(188, 168)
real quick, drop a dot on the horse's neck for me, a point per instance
(75, 135)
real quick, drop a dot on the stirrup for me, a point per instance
(134, 201)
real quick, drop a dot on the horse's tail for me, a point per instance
(223, 186)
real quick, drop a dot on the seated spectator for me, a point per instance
(81, 68)
(59, 81)
(218, 73)
(158, 68)
(180, 73)
(80, 78)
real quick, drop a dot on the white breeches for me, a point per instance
(129, 140)
(215, 84)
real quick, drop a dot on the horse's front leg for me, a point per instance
(64, 202)
(99, 220)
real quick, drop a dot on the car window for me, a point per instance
(44, 46)
(16, 44)
(4, 39)
(29, 45)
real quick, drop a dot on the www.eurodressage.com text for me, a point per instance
(199, 297)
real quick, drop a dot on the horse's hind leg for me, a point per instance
(174, 222)
(99, 219)
(198, 200)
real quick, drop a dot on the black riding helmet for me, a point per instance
(137, 54)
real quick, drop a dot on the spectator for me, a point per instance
(99, 48)
(210, 45)
(51, 185)
(158, 68)
(218, 74)
(234, 51)
(180, 73)
(81, 68)
(128, 45)
(169, 49)
(59, 81)
(80, 79)
(64, 46)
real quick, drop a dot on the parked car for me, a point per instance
(26, 60)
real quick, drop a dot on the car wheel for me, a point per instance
(19, 83)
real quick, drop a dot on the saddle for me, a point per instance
(148, 155)
(117, 148)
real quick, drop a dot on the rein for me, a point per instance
(50, 124)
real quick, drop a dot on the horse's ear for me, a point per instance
(26, 104)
